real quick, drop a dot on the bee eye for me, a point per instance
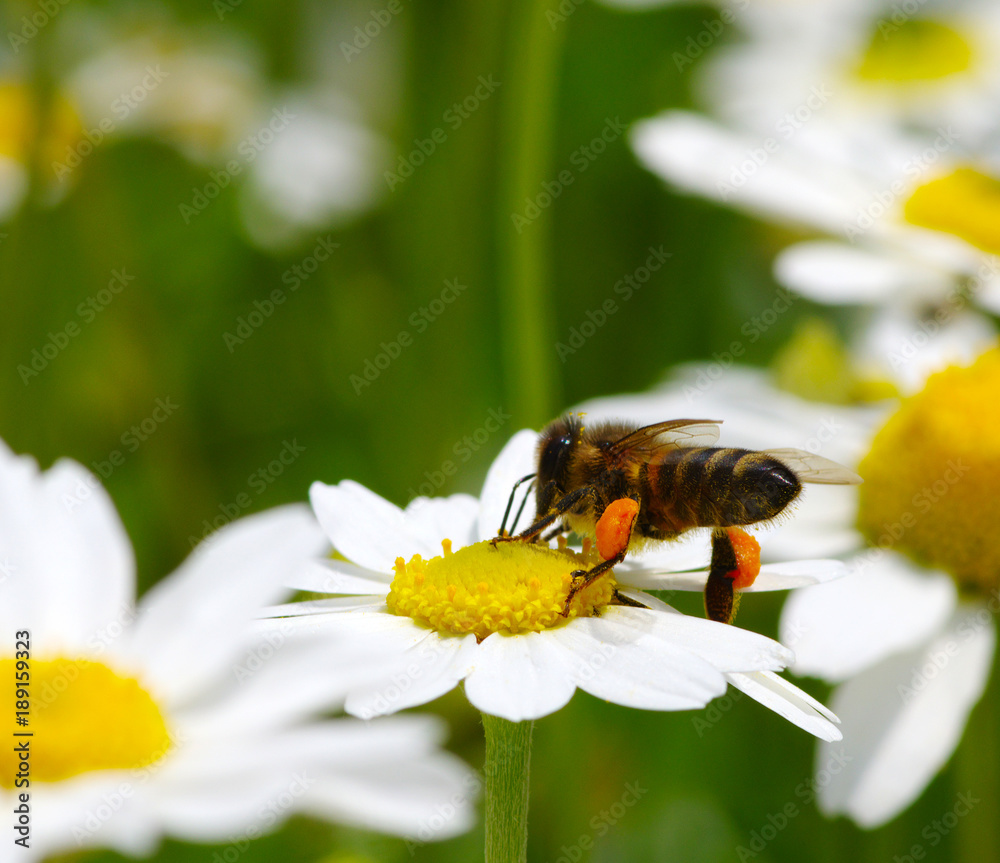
(553, 456)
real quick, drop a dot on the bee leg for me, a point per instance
(583, 577)
(622, 599)
(565, 503)
(721, 599)
(614, 531)
(556, 531)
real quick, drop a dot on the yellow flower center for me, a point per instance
(82, 717)
(915, 50)
(19, 124)
(965, 203)
(508, 588)
(815, 365)
(932, 477)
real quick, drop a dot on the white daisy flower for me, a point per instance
(930, 64)
(908, 222)
(177, 717)
(866, 123)
(909, 634)
(492, 616)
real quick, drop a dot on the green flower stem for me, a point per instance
(508, 764)
(527, 119)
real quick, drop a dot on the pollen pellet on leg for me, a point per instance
(747, 551)
(614, 528)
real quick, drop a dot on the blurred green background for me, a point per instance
(714, 778)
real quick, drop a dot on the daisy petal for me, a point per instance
(725, 647)
(520, 677)
(364, 527)
(216, 592)
(516, 459)
(883, 606)
(339, 576)
(646, 672)
(788, 701)
(903, 718)
(417, 676)
(66, 565)
(832, 272)
(773, 576)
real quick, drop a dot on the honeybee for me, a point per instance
(630, 486)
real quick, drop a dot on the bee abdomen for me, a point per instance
(724, 487)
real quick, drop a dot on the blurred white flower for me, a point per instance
(495, 620)
(912, 222)
(178, 717)
(870, 124)
(910, 633)
(303, 158)
(320, 171)
(930, 64)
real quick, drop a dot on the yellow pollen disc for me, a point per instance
(508, 588)
(965, 203)
(915, 50)
(83, 716)
(932, 477)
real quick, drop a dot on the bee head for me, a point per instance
(555, 445)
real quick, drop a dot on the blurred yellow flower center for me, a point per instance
(932, 477)
(508, 588)
(965, 203)
(914, 50)
(83, 716)
(19, 124)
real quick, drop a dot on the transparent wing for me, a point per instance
(810, 467)
(671, 434)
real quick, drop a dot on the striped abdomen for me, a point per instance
(717, 487)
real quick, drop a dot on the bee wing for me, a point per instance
(814, 468)
(671, 434)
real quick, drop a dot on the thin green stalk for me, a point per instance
(527, 120)
(508, 764)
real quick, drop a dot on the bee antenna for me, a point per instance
(510, 503)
